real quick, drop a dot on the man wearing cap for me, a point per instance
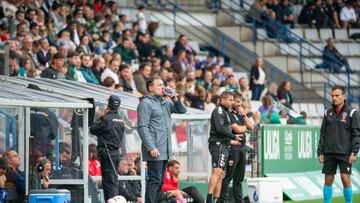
(109, 130)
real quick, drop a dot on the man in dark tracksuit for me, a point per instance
(154, 128)
(109, 130)
(235, 168)
(339, 143)
(219, 142)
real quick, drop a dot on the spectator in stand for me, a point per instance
(28, 51)
(87, 62)
(13, 64)
(126, 50)
(171, 185)
(180, 65)
(348, 16)
(3, 169)
(99, 66)
(284, 13)
(109, 82)
(141, 19)
(126, 78)
(333, 59)
(206, 81)
(206, 63)
(257, 79)
(164, 75)
(257, 9)
(125, 186)
(74, 72)
(231, 84)
(169, 54)
(266, 105)
(331, 13)
(111, 71)
(307, 15)
(321, 19)
(65, 39)
(141, 77)
(94, 163)
(84, 45)
(272, 92)
(14, 175)
(34, 31)
(183, 43)
(284, 94)
(46, 52)
(53, 71)
(211, 102)
(244, 89)
(197, 99)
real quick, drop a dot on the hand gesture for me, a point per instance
(352, 158)
(238, 137)
(154, 153)
(321, 159)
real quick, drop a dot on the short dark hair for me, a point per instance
(342, 88)
(109, 81)
(172, 163)
(237, 95)
(143, 65)
(123, 67)
(226, 94)
(64, 147)
(150, 82)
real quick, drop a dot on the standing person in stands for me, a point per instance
(257, 79)
(141, 19)
(235, 169)
(284, 94)
(154, 128)
(339, 143)
(109, 130)
(221, 136)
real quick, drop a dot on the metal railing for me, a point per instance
(302, 49)
(240, 56)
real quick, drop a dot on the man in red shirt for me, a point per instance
(171, 186)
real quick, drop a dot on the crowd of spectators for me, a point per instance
(314, 13)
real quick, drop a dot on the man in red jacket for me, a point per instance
(171, 186)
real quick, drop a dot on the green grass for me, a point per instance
(356, 198)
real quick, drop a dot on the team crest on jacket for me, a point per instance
(344, 116)
(220, 110)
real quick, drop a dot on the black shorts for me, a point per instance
(219, 154)
(331, 161)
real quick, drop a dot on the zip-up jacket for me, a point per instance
(340, 133)
(220, 130)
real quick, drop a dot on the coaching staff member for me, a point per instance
(109, 130)
(235, 169)
(154, 128)
(339, 143)
(221, 137)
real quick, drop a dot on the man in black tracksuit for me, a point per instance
(109, 130)
(235, 168)
(219, 142)
(339, 143)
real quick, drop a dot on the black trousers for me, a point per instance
(235, 170)
(155, 179)
(109, 177)
(193, 193)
